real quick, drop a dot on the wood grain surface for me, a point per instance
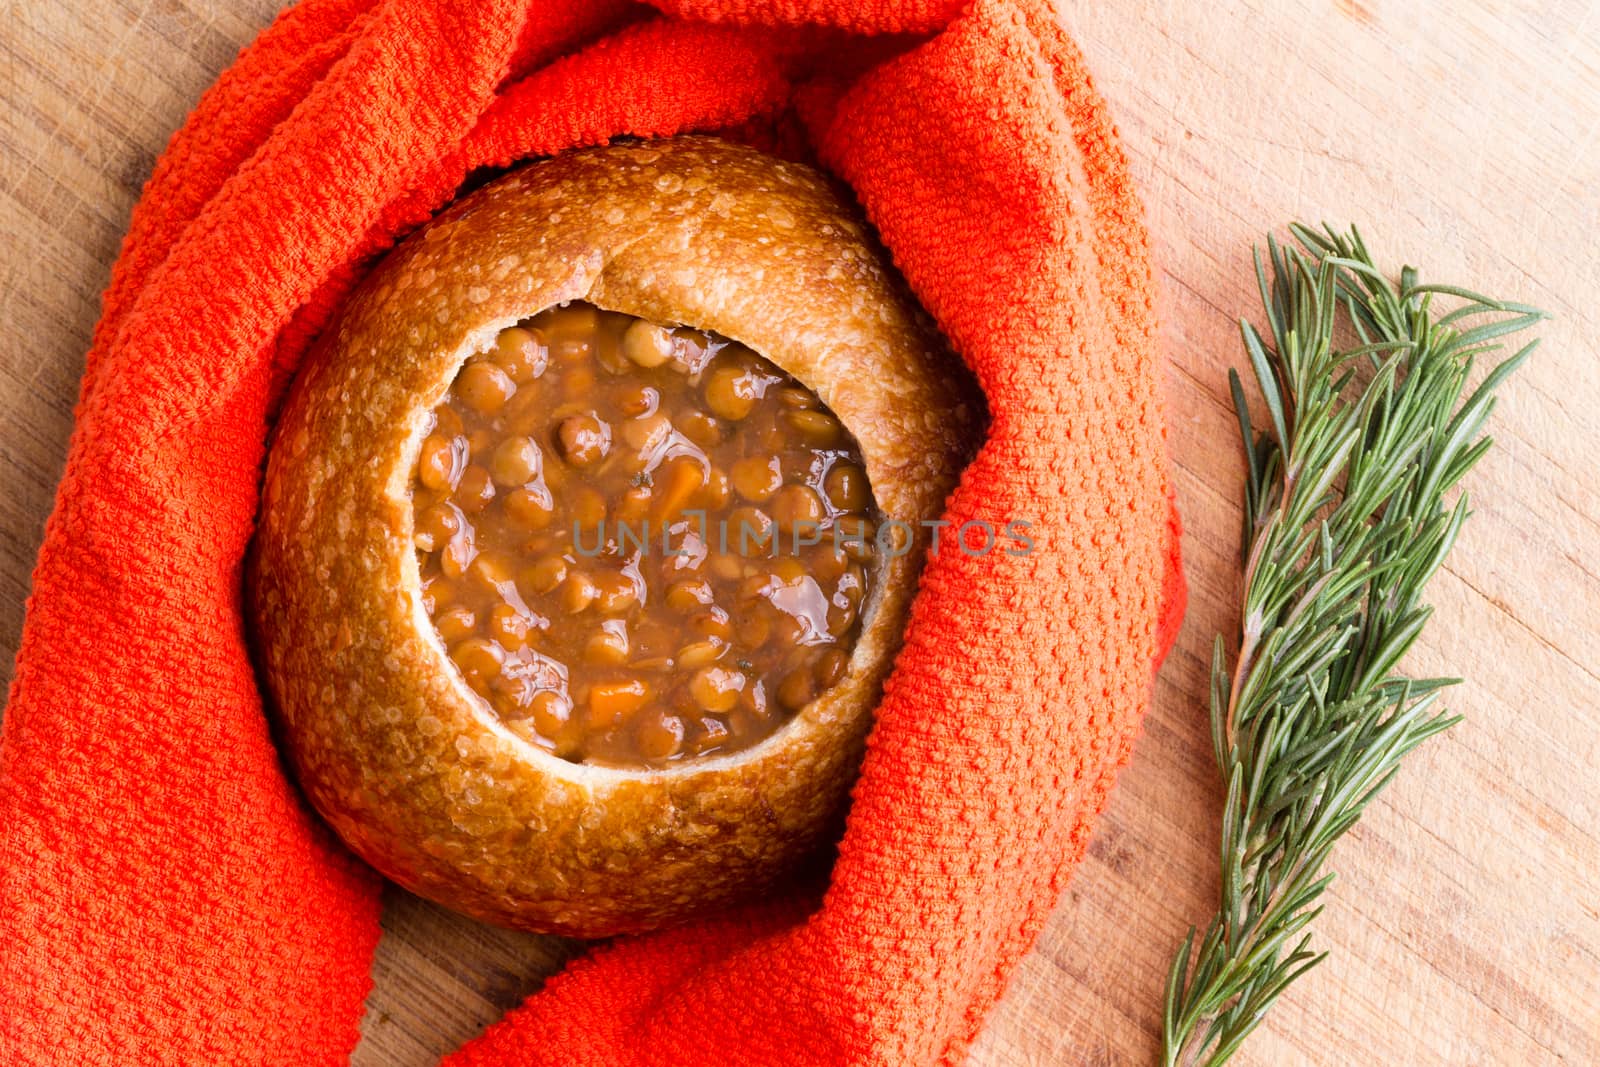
(1465, 924)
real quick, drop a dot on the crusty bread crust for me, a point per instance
(411, 768)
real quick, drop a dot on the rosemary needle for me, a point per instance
(1345, 520)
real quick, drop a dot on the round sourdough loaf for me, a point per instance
(406, 762)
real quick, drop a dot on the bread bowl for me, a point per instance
(406, 744)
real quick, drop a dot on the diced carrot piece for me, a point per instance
(682, 479)
(610, 701)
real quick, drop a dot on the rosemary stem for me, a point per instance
(1346, 519)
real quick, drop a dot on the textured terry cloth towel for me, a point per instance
(166, 897)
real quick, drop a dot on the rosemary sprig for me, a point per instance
(1345, 521)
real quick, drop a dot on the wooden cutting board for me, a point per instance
(1462, 137)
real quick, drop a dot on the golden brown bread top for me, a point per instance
(407, 763)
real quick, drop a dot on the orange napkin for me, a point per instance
(165, 895)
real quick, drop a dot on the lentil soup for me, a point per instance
(640, 543)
